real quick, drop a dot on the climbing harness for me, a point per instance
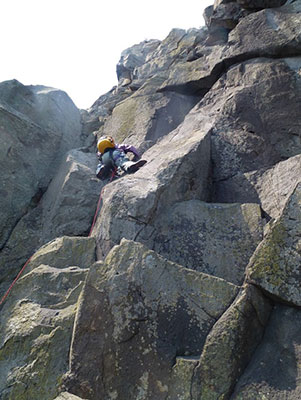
(27, 262)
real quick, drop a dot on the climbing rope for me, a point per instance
(27, 262)
(15, 280)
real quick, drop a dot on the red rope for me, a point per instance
(27, 262)
(15, 280)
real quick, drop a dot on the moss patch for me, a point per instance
(268, 263)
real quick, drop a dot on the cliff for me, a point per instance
(188, 285)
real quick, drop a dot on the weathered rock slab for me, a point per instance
(275, 266)
(269, 187)
(178, 169)
(271, 33)
(230, 345)
(36, 320)
(38, 125)
(253, 106)
(217, 239)
(141, 304)
(181, 378)
(146, 116)
(275, 369)
(66, 208)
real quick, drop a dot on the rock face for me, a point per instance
(275, 266)
(279, 351)
(35, 134)
(217, 239)
(37, 319)
(138, 301)
(188, 285)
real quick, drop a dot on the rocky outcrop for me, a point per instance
(274, 369)
(36, 321)
(188, 288)
(66, 208)
(270, 33)
(38, 125)
(179, 169)
(238, 331)
(140, 302)
(275, 266)
(271, 187)
(217, 239)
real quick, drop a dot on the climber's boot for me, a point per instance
(130, 166)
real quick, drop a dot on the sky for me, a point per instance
(74, 45)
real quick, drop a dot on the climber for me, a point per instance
(112, 156)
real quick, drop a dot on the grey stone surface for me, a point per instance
(275, 266)
(230, 345)
(66, 208)
(146, 116)
(138, 312)
(178, 169)
(227, 15)
(36, 321)
(268, 33)
(274, 371)
(216, 111)
(269, 187)
(181, 378)
(217, 239)
(256, 111)
(38, 125)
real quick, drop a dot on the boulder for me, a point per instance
(181, 378)
(69, 203)
(38, 125)
(230, 345)
(93, 118)
(36, 320)
(268, 33)
(66, 208)
(227, 15)
(178, 169)
(217, 239)
(207, 15)
(146, 116)
(141, 304)
(49, 108)
(172, 49)
(133, 58)
(274, 370)
(270, 187)
(252, 107)
(275, 266)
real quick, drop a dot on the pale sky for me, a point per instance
(74, 45)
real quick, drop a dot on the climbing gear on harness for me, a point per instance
(111, 159)
(105, 142)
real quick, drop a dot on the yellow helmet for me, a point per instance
(104, 143)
